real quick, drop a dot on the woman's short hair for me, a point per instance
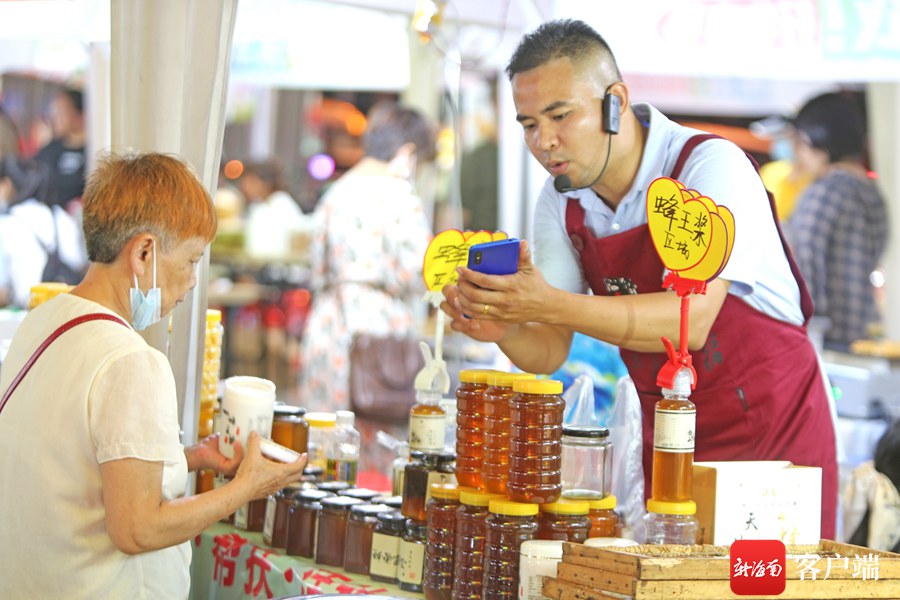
(390, 126)
(132, 193)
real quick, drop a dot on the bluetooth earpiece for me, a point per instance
(612, 106)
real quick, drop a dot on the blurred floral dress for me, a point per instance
(370, 236)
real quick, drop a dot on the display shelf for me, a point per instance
(230, 563)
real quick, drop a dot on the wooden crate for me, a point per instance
(651, 572)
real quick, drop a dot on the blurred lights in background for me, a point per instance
(320, 166)
(233, 169)
(427, 18)
(878, 277)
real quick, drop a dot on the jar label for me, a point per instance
(342, 469)
(242, 516)
(673, 430)
(426, 432)
(411, 563)
(385, 555)
(269, 521)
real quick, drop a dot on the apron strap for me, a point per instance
(806, 303)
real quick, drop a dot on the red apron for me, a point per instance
(759, 394)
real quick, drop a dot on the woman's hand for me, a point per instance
(263, 476)
(205, 455)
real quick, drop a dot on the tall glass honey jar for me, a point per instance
(535, 441)
(468, 562)
(495, 454)
(440, 541)
(507, 526)
(470, 426)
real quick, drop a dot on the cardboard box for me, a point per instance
(758, 500)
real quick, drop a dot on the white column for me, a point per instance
(168, 83)
(884, 132)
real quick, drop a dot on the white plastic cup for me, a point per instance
(248, 404)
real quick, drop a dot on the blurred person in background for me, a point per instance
(90, 434)
(871, 499)
(65, 154)
(33, 229)
(369, 239)
(10, 142)
(273, 216)
(781, 175)
(839, 227)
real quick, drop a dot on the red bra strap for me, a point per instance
(59, 331)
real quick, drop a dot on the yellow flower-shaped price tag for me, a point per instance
(450, 249)
(692, 234)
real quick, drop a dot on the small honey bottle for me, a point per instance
(427, 420)
(670, 510)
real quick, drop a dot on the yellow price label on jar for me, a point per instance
(691, 233)
(450, 249)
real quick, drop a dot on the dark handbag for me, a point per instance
(383, 370)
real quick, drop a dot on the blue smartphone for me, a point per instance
(500, 257)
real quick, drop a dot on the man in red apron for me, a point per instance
(760, 394)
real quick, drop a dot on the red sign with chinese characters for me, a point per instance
(758, 567)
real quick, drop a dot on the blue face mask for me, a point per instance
(145, 308)
(782, 149)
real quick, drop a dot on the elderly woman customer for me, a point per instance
(93, 469)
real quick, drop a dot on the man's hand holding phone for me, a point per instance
(493, 302)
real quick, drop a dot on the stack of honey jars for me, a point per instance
(509, 458)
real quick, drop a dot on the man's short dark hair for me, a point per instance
(569, 38)
(834, 122)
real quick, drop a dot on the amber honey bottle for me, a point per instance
(470, 426)
(565, 520)
(507, 526)
(604, 520)
(440, 541)
(495, 453)
(673, 442)
(301, 535)
(289, 428)
(535, 441)
(331, 529)
(358, 537)
(468, 562)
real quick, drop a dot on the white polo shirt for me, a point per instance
(97, 393)
(758, 268)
